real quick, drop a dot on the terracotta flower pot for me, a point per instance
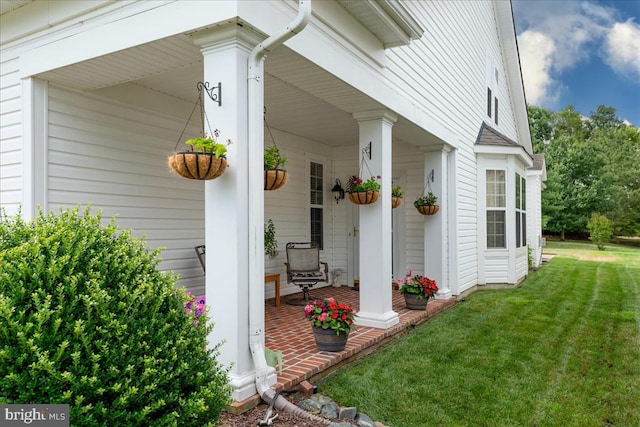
(195, 165)
(327, 340)
(428, 210)
(395, 202)
(275, 178)
(364, 197)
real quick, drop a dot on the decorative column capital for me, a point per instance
(225, 35)
(385, 115)
(442, 148)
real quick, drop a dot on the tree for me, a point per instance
(593, 165)
(623, 164)
(541, 125)
(600, 228)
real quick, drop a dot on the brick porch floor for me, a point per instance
(288, 331)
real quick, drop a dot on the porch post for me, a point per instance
(436, 241)
(228, 237)
(375, 223)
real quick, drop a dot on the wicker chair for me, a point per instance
(304, 268)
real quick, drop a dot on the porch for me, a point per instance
(287, 330)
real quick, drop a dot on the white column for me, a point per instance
(35, 147)
(436, 239)
(230, 232)
(375, 223)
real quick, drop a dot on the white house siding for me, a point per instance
(467, 220)
(11, 168)
(496, 268)
(522, 263)
(445, 72)
(113, 157)
(408, 161)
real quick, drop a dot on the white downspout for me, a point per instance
(256, 202)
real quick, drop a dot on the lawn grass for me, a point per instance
(563, 349)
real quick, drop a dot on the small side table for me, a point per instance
(274, 278)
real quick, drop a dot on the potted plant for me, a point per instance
(275, 175)
(426, 205)
(363, 192)
(417, 290)
(270, 242)
(331, 322)
(207, 160)
(396, 196)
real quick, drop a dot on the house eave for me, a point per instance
(7, 6)
(388, 20)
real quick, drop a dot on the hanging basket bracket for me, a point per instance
(215, 92)
(367, 150)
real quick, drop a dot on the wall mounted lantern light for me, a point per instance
(338, 190)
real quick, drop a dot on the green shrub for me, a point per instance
(88, 320)
(601, 229)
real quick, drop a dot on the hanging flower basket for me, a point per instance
(363, 192)
(426, 205)
(208, 158)
(364, 197)
(275, 175)
(428, 210)
(195, 165)
(396, 196)
(275, 178)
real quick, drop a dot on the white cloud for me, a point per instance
(573, 26)
(537, 51)
(622, 49)
(560, 35)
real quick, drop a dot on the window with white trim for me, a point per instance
(496, 208)
(316, 202)
(521, 211)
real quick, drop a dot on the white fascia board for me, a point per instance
(518, 152)
(135, 29)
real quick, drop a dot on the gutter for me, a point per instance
(255, 135)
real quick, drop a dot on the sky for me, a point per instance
(581, 53)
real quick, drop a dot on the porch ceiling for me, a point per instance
(300, 97)
(7, 6)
